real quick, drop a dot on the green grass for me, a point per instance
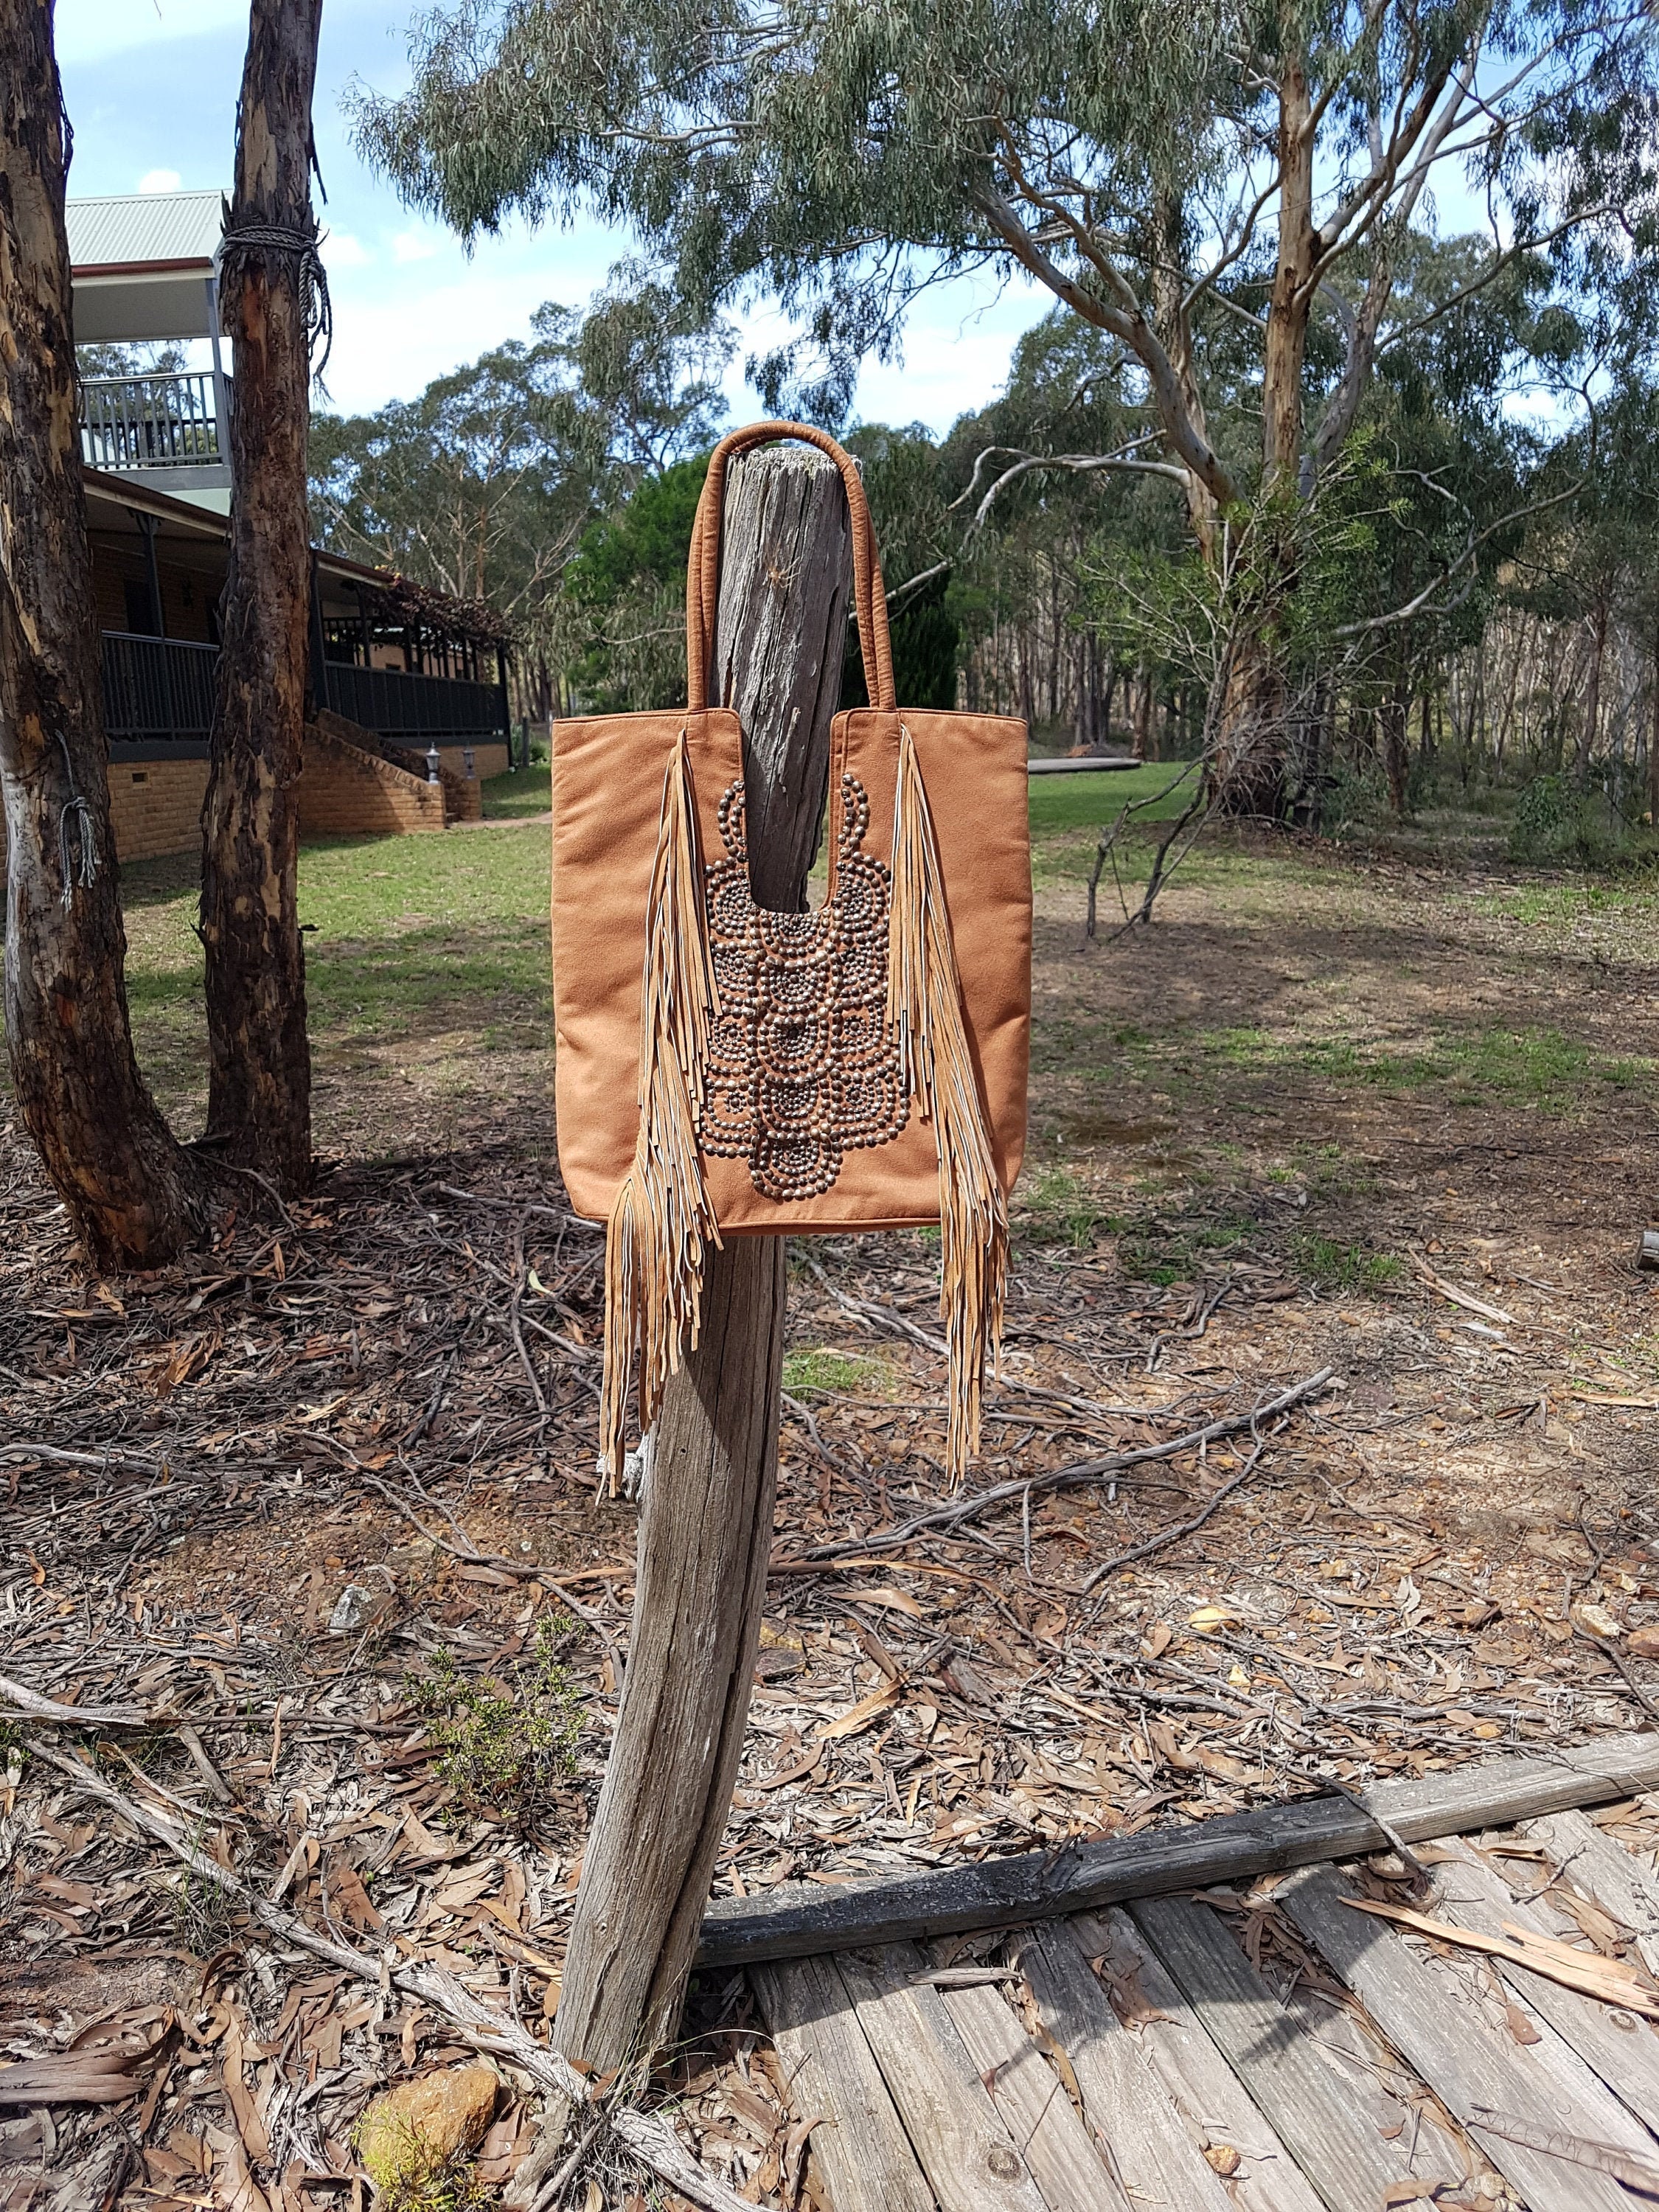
(1056, 1206)
(1162, 1255)
(1537, 1067)
(805, 1372)
(419, 943)
(520, 791)
(1329, 1266)
(1091, 801)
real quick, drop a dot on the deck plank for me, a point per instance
(1440, 2014)
(861, 2153)
(1617, 2046)
(1214, 2099)
(960, 2140)
(1149, 2146)
(1033, 2103)
(1335, 2135)
(1604, 1871)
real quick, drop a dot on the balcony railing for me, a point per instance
(159, 690)
(151, 422)
(419, 707)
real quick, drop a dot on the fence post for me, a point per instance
(705, 1527)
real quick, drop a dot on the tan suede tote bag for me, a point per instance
(723, 1069)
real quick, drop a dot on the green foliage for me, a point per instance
(926, 637)
(649, 535)
(626, 596)
(509, 1749)
(839, 157)
(486, 484)
(1555, 825)
(400, 2162)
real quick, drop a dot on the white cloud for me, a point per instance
(160, 180)
(413, 245)
(341, 251)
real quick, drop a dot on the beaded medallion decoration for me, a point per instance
(801, 1068)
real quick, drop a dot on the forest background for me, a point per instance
(1453, 563)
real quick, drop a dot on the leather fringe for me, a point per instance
(924, 1013)
(662, 1222)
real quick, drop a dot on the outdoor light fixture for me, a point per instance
(432, 763)
(470, 758)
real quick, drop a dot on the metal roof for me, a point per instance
(136, 230)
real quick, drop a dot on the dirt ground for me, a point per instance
(320, 1506)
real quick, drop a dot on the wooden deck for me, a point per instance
(1261, 2046)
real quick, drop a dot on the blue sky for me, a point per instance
(151, 90)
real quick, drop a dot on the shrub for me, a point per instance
(507, 1752)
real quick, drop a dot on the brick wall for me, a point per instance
(463, 795)
(487, 760)
(346, 791)
(187, 593)
(154, 807)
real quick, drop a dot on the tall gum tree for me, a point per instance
(258, 1056)
(1155, 166)
(135, 1195)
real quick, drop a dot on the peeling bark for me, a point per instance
(135, 1195)
(260, 1059)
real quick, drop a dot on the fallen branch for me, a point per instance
(98, 1461)
(510, 1205)
(1469, 1304)
(655, 2144)
(1180, 1529)
(1557, 1962)
(34, 1707)
(1060, 1477)
(1577, 2150)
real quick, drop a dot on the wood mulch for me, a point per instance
(311, 1501)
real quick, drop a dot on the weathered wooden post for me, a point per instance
(706, 1528)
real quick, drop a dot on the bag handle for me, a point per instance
(702, 570)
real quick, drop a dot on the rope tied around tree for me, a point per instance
(302, 248)
(77, 846)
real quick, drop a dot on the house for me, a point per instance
(409, 707)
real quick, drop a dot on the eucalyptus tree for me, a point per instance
(486, 483)
(133, 1193)
(274, 304)
(1152, 165)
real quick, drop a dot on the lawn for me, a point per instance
(426, 974)
(1364, 988)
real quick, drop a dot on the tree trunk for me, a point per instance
(1581, 767)
(134, 1196)
(705, 1529)
(1653, 738)
(259, 1059)
(1255, 741)
(1143, 713)
(1396, 764)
